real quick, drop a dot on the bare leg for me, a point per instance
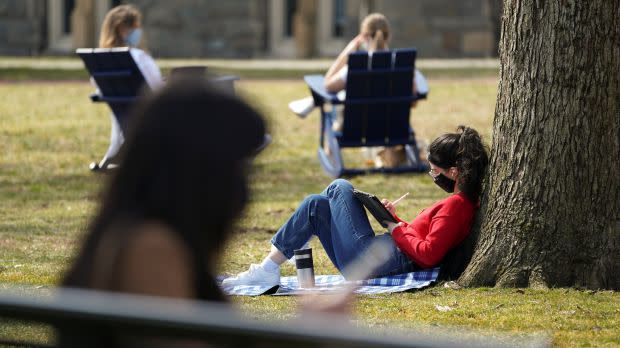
(272, 262)
(276, 256)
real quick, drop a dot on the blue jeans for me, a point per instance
(339, 220)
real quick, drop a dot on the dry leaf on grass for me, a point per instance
(452, 285)
(443, 308)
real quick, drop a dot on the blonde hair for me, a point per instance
(123, 16)
(377, 26)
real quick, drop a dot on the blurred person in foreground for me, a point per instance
(169, 207)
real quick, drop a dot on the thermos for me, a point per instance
(305, 267)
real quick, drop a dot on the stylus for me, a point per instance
(398, 200)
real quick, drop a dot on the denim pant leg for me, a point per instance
(351, 233)
(335, 217)
(311, 217)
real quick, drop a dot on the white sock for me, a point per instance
(270, 266)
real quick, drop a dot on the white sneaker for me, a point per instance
(256, 275)
(302, 107)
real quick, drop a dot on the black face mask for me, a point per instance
(444, 182)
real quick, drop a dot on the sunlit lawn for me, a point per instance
(50, 131)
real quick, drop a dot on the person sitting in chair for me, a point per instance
(374, 35)
(122, 27)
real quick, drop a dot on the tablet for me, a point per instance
(375, 207)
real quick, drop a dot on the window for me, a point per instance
(67, 8)
(59, 25)
(289, 12)
(340, 18)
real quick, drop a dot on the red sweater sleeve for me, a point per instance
(435, 231)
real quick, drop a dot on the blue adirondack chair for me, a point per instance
(378, 99)
(120, 83)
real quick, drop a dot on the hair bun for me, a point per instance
(467, 133)
(472, 160)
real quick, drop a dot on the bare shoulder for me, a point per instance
(157, 262)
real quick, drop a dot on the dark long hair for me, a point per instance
(465, 151)
(184, 165)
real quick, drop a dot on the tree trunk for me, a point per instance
(550, 211)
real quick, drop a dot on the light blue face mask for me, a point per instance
(133, 38)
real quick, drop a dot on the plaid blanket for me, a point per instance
(329, 283)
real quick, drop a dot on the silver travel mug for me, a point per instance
(305, 267)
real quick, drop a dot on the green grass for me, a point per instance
(49, 132)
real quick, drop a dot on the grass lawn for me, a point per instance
(49, 132)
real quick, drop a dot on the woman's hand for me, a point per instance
(392, 225)
(389, 206)
(355, 44)
(330, 76)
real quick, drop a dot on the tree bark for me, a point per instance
(550, 211)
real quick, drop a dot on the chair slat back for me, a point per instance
(116, 74)
(114, 70)
(357, 75)
(357, 79)
(376, 108)
(402, 76)
(381, 66)
(402, 85)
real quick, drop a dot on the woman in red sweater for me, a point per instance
(458, 162)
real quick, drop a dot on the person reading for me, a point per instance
(458, 162)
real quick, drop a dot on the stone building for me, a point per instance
(254, 28)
